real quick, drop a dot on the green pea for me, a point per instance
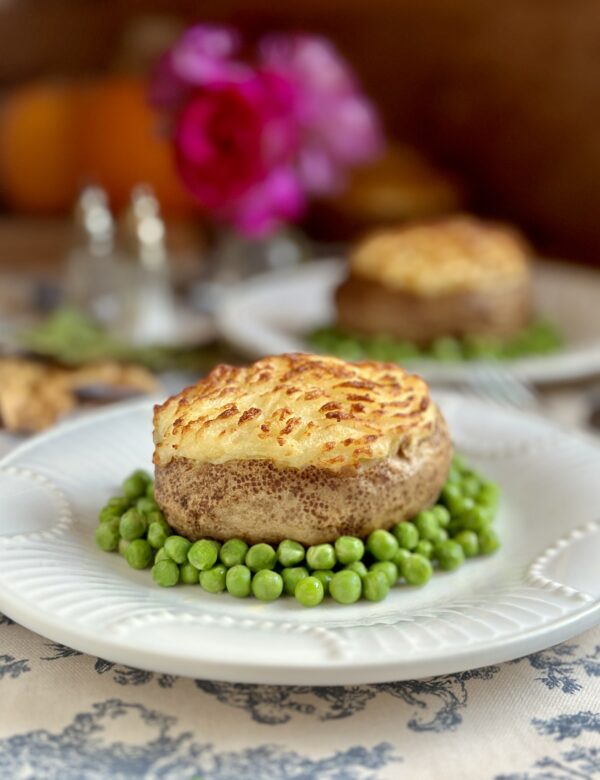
(477, 518)
(321, 556)
(349, 549)
(440, 535)
(261, 556)
(407, 535)
(382, 348)
(417, 569)
(462, 506)
(449, 555)
(291, 576)
(146, 505)
(213, 580)
(325, 575)
(357, 566)
(233, 552)
(400, 557)
(119, 503)
(114, 522)
(156, 516)
(404, 350)
(442, 515)
(452, 496)
(488, 541)
(188, 574)
(389, 569)
(142, 474)
(345, 587)
(309, 591)
(267, 585)
(469, 542)
(139, 554)
(108, 513)
(446, 349)
(375, 586)
(203, 554)
(107, 535)
(350, 349)
(382, 545)
(425, 548)
(123, 545)
(455, 527)
(177, 548)
(470, 486)
(320, 339)
(165, 573)
(427, 525)
(132, 525)
(488, 495)
(134, 487)
(238, 581)
(150, 490)
(481, 347)
(161, 555)
(290, 553)
(156, 535)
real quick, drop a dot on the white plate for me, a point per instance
(542, 587)
(272, 313)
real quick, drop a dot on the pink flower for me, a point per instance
(232, 145)
(252, 141)
(339, 126)
(218, 145)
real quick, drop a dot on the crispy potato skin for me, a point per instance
(366, 306)
(261, 502)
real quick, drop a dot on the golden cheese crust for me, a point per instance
(444, 257)
(296, 411)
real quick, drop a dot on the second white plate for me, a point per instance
(273, 313)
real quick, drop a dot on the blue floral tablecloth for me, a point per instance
(68, 716)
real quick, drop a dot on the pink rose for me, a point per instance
(232, 145)
(218, 138)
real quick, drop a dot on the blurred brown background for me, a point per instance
(507, 94)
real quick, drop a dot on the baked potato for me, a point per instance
(300, 447)
(455, 277)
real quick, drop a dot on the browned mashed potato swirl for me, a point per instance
(298, 446)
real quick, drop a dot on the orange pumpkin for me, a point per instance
(37, 138)
(55, 137)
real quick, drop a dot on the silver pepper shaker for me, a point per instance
(148, 310)
(91, 263)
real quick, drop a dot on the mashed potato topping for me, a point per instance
(296, 410)
(439, 258)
